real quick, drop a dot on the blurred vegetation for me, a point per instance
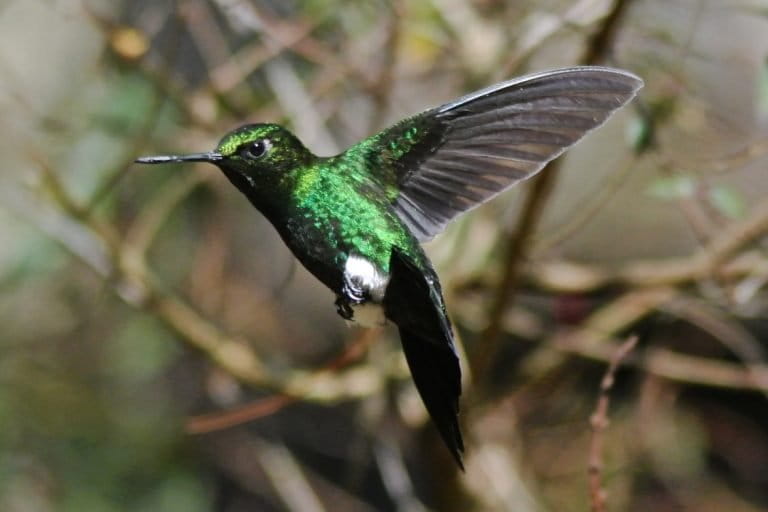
(160, 349)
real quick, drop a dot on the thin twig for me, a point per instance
(586, 210)
(113, 176)
(252, 411)
(287, 477)
(676, 367)
(384, 80)
(266, 406)
(599, 422)
(153, 215)
(394, 475)
(296, 102)
(601, 44)
(233, 71)
(515, 251)
(596, 331)
(727, 331)
(133, 283)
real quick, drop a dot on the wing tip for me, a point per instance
(628, 76)
(633, 81)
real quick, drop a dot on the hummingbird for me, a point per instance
(356, 220)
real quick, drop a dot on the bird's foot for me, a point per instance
(344, 308)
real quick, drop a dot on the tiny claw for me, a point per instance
(344, 309)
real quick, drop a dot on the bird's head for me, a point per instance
(255, 157)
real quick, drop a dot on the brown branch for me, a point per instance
(730, 333)
(126, 270)
(716, 258)
(288, 477)
(596, 332)
(383, 82)
(153, 215)
(235, 357)
(570, 277)
(515, 252)
(58, 193)
(163, 85)
(113, 176)
(252, 411)
(593, 340)
(517, 247)
(674, 366)
(599, 422)
(266, 406)
(601, 43)
(703, 371)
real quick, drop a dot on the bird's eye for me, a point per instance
(256, 149)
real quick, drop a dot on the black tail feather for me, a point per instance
(436, 373)
(413, 301)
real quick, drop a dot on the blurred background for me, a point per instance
(161, 350)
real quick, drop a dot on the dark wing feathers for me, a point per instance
(414, 302)
(456, 157)
(484, 142)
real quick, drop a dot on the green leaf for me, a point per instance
(676, 186)
(728, 201)
(639, 134)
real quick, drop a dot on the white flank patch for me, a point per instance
(365, 276)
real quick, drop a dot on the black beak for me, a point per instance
(211, 157)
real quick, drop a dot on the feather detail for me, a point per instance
(465, 152)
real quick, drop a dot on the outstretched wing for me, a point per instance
(452, 158)
(413, 301)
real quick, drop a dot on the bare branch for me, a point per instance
(707, 262)
(517, 246)
(266, 406)
(287, 477)
(599, 422)
(507, 286)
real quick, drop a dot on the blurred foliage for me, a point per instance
(141, 307)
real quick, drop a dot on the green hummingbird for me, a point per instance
(356, 220)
